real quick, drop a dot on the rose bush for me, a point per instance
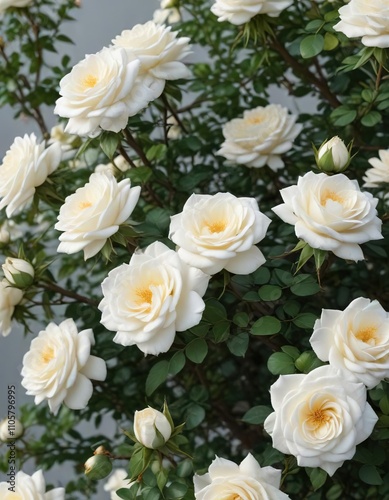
(216, 232)
(260, 137)
(58, 367)
(319, 418)
(331, 213)
(152, 297)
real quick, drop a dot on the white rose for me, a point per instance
(6, 4)
(26, 165)
(159, 51)
(380, 171)
(18, 272)
(10, 429)
(30, 488)
(94, 212)
(118, 163)
(167, 15)
(152, 297)
(174, 131)
(319, 417)
(101, 92)
(260, 137)
(355, 340)
(151, 428)
(58, 367)
(220, 231)
(248, 480)
(368, 20)
(333, 156)
(331, 213)
(117, 481)
(241, 11)
(9, 298)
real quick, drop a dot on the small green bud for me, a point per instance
(333, 156)
(98, 467)
(18, 272)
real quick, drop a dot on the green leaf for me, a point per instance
(270, 293)
(256, 414)
(370, 475)
(197, 350)
(305, 320)
(317, 477)
(305, 288)
(335, 492)
(157, 375)
(307, 361)
(330, 41)
(139, 174)
(371, 119)
(267, 325)
(241, 319)
(238, 345)
(281, 363)
(214, 311)
(177, 363)
(109, 141)
(156, 152)
(175, 491)
(261, 276)
(343, 115)
(221, 331)
(195, 414)
(311, 46)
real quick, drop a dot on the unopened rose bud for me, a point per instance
(10, 428)
(151, 428)
(333, 156)
(98, 467)
(18, 272)
(168, 4)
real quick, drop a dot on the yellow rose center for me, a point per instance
(216, 226)
(145, 295)
(256, 120)
(48, 354)
(367, 335)
(85, 204)
(331, 195)
(89, 81)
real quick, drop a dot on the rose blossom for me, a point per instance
(152, 297)
(18, 272)
(30, 488)
(369, 20)
(380, 171)
(26, 165)
(151, 428)
(248, 480)
(331, 213)
(6, 4)
(220, 231)
(117, 481)
(118, 164)
(241, 11)
(159, 51)
(319, 417)
(260, 137)
(94, 212)
(9, 298)
(10, 428)
(58, 367)
(168, 13)
(101, 92)
(355, 340)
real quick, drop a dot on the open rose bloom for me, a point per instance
(152, 297)
(249, 481)
(319, 418)
(241, 11)
(30, 488)
(331, 213)
(220, 231)
(355, 340)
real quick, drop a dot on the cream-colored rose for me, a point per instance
(168, 13)
(241, 11)
(227, 480)
(151, 428)
(10, 428)
(26, 165)
(6, 4)
(101, 92)
(331, 213)
(58, 367)
(159, 51)
(333, 156)
(319, 417)
(118, 164)
(220, 231)
(355, 340)
(260, 137)
(379, 174)
(152, 297)
(369, 20)
(116, 481)
(9, 298)
(18, 272)
(94, 213)
(30, 488)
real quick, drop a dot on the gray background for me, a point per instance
(98, 21)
